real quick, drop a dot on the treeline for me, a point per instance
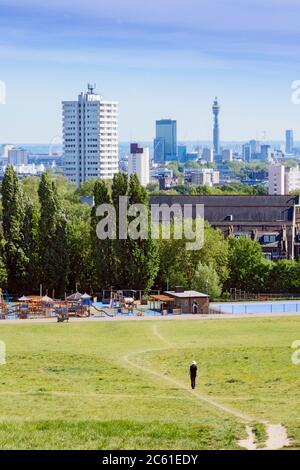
(48, 237)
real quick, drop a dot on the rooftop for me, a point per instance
(186, 294)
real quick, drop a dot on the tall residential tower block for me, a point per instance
(90, 137)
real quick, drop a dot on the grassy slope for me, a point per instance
(68, 386)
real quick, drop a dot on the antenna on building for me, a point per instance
(91, 88)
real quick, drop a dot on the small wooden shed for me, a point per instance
(189, 301)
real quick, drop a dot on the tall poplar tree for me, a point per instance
(143, 254)
(13, 218)
(54, 260)
(103, 257)
(30, 244)
(121, 267)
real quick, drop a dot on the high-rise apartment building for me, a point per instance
(276, 179)
(165, 142)
(289, 141)
(283, 180)
(90, 137)
(139, 163)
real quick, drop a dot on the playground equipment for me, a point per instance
(77, 305)
(101, 310)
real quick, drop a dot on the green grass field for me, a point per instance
(83, 386)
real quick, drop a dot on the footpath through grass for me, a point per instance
(69, 386)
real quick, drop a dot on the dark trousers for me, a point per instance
(193, 382)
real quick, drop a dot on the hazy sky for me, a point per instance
(159, 59)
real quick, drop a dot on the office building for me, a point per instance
(265, 152)
(182, 152)
(90, 137)
(208, 155)
(289, 141)
(227, 155)
(165, 142)
(255, 146)
(216, 131)
(247, 152)
(139, 163)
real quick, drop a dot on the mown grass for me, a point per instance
(68, 386)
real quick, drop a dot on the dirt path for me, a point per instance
(277, 433)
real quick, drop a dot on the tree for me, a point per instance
(178, 265)
(120, 246)
(103, 257)
(206, 280)
(143, 255)
(248, 268)
(81, 255)
(53, 238)
(13, 218)
(30, 245)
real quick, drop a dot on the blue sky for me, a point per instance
(158, 59)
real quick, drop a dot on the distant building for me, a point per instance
(203, 176)
(216, 131)
(252, 151)
(17, 157)
(265, 152)
(161, 173)
(247, 153)
(5, 148)
(283, 180)
(90, 137)
(289, 141)
(276, 179)
(208, 155)
(139, 163)
(192, 156)
(28, 170)
(292, 179)
(182, 152)
(227, 155)
(165, 142)
(255, 146)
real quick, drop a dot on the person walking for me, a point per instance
(193, 374)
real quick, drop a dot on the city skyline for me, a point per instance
(164, 60)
